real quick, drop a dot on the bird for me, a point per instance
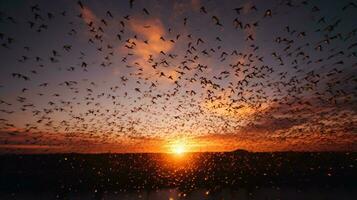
(109, 14)
(80, 4)
(216, 20)
(238, 10)
(146, 11)
(203, 9)
(268, 13)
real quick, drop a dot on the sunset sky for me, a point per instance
(144, 76)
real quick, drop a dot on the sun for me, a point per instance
(179, 148)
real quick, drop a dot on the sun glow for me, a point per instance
(178, 148)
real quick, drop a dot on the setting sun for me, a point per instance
(179, 148)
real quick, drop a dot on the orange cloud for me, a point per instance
(196, 4)
(224, 106)
(27, 146)
(88, 15)
(255, 141)
(152, 35)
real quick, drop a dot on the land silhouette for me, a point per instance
(63, 175)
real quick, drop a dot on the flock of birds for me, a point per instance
(300, 85)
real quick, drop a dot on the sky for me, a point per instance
(146, 76)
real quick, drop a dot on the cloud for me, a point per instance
(224, 105)
(180, 7)
(150, 30)
(271, 124)
(196, 4)
(27, 146)
(88, 15)
(253, 141)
